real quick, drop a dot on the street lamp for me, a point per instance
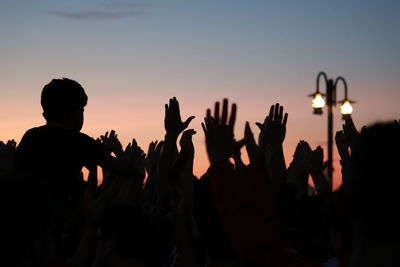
(318, 103)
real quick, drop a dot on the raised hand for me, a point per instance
(316, 163)
(255, 154)
(218, 130)
(302, 156)
(153, 155)
(298, 171)
(111, 143)
(152, 162)
(273, 130)
(302, 153)
(316, 166)
(7, 150)
(172, 121)
(186, 139)
(342, 145)
(136, 157)
(350, 131)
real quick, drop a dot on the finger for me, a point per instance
(128, 148)
(224, 111)
(176, 103)
(247, 130)
(204, 128)
(248, 135)
(259, 125)
(280, 114)
(172, 106)
(285, 118)
(216, 112)
(159, 147)
(189, 132)
(232, 119)
(151, 148)
(186, 123)
(134, 144)
(208, 113)
(166, 110)
(271, 113)
(276, 112)
(112, 133)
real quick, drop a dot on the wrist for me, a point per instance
(171, 137)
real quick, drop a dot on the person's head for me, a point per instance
(63, 102)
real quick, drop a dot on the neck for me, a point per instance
(67, 125)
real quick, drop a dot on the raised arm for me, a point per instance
(272, 134)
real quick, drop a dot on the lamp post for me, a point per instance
(318, 103)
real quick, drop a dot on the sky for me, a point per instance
(132, 56)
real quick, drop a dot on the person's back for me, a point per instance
(58, 155)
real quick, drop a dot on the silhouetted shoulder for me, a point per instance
(49, 149)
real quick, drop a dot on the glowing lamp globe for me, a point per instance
(318, 103)
(346, 109)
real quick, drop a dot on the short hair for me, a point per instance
(60, 98)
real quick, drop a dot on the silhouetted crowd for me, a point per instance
(150, 210)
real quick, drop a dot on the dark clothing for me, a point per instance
(56, 156)
(247, 212)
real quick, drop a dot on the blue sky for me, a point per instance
(131, 56)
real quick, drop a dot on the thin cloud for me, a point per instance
(104, 11)
(93, 15)
(126, 4)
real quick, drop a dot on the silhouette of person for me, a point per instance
(57, 151)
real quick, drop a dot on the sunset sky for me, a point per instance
(132, 56)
